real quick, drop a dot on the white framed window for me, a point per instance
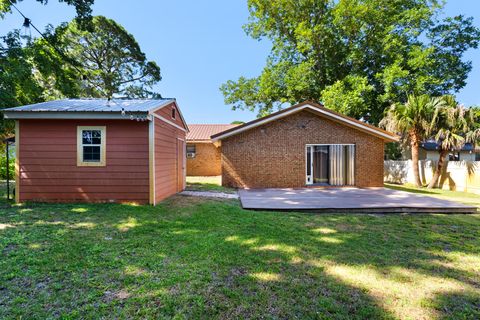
(191, 151)
(91, 146)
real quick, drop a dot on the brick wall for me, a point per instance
(207, 161)
(273, 155)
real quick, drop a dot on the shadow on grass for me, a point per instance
(457, 305)
(201, 258)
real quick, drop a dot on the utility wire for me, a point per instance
(60, 52)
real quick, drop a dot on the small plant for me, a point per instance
(3, 165)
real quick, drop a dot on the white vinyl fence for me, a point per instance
(459, 175)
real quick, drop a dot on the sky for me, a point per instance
(201, 44)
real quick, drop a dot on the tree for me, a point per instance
(17, 82)
(83, 8)
(108, 59)
(413, 121)
(476, 114)
(357, 56)
(455, 125)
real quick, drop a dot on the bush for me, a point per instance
(3, 165)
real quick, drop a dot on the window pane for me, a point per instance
(190, 148)
(91, 154)
(321, 164)
(91, 137)
(309, 161)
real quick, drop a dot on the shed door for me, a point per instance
(181, 165)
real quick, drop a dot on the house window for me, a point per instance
(191, 151)
(477, 156)
(454, 156)
(174, 113)
(91, 146)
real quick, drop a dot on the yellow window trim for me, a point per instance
(103, 158)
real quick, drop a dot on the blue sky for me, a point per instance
(201, 44)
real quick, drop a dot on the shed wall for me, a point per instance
(48, 162)
(169, 153)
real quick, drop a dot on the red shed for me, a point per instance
(96, 150)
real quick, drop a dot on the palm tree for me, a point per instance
(455, 125)
(413, 121)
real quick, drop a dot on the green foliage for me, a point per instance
(18, 84)
(35, 71)
(124, 71)
(476, 114)
(357, 56)
(3, 164)
(393, 151)
(82, 7)
(349, 96)
(412, 119)
(454, 125)
(237, 122)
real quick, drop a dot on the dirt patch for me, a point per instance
(9, 248)
(110, 296)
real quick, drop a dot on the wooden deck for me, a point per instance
(355, 200)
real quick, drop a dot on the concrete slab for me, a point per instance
(367, 200)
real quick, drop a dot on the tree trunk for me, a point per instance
(438, 170)
(416, 171)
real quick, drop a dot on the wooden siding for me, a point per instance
(166, 113)
(168, 161)
(48, 162)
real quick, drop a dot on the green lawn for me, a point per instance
(464, 197)
(207, 184)
(202, 258)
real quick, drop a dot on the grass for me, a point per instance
(463, 197)
(212, 184)
(202, 258)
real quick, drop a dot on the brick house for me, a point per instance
(203, 157)
(304, 145)
(95, 150)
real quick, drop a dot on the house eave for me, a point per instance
(17, 115)
(199, 141)
(386, 136)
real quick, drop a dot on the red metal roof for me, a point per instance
(203, 132)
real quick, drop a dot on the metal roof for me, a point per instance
(93, 105)
(203, 132)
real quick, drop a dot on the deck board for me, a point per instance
(362, 200)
